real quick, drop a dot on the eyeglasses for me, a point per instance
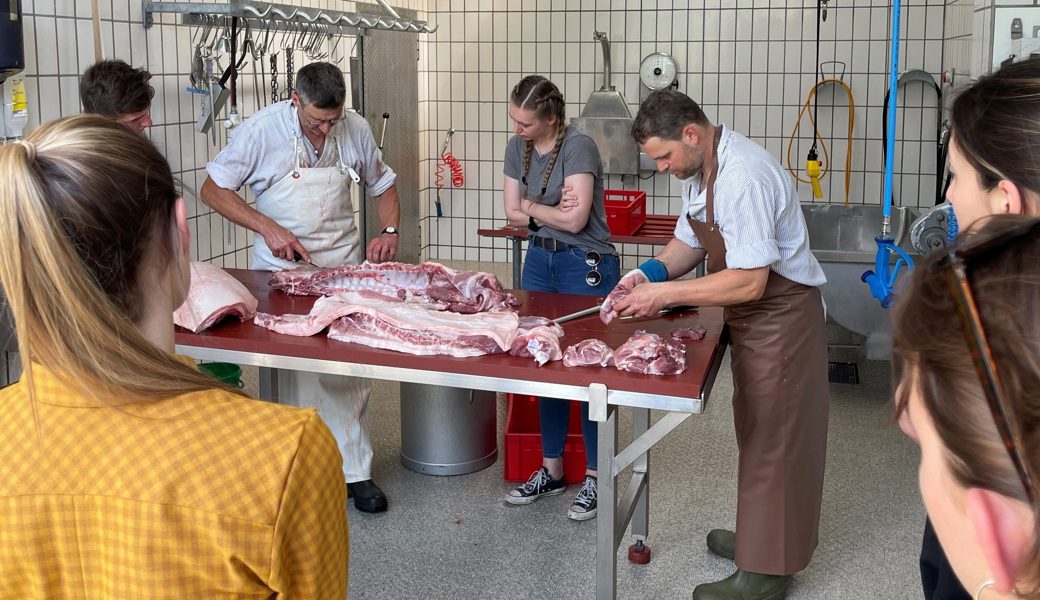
(319, 122)
(592, 259)
(955, 267)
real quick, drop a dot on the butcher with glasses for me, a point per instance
(300, 158)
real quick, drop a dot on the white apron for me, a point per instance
(314, 203)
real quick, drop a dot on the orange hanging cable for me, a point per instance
(825, 167)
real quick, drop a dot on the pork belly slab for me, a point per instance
(414, 328)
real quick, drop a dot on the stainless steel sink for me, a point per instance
(839, 233)
(842, 239)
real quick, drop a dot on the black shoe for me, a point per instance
(584, 507)
(367, 496)
(539, 485)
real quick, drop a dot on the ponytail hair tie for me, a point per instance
(30, 149)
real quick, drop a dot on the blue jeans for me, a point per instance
(564, 271)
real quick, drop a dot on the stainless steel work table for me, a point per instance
(605, 389)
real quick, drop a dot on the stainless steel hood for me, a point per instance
(607, 119)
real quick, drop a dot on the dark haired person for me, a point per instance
(554, 185)
(300, 157)
(741, 213)
(977, 426)
(114, 89)
(127, 472)
(995, 126)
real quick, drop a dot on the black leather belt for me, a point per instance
(548, 243)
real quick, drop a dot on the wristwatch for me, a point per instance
(391, 230)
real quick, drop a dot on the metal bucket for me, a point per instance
(447, 430)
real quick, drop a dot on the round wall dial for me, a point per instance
(657, 71)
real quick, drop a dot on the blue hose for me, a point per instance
(883, 278)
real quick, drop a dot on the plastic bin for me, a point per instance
(228, 373)
(522, 450)
(626, 210)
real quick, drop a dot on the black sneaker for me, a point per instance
(539, 485)
(584, 507)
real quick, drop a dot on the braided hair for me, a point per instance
(538, 94)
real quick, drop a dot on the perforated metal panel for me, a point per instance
(390, 84)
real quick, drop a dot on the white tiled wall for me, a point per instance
(59, 47)
(750, 63)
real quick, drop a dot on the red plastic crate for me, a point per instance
(626, 210)
(523, 441)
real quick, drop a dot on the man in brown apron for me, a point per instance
(760, 268)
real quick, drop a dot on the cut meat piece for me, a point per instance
(694, 333)
(462, 292)
(619, 293)
(538, 338)
(606, 311)
(650, 354)
(587, 353)
(325, 310)
(528, 323)
(374, 320)
(368, 330)
(541, 343)
(213, 295)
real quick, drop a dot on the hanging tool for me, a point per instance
(386, 117)
(446, 159)
(233, 119)
(941, 127)
(813, 166)
(288, 72)
(882, 279)
(812, 160)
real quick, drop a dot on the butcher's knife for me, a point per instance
(577, 315)
(297, 257)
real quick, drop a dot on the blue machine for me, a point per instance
(12, 47)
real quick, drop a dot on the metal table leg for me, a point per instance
(641, 513)
(269, 384)
(517, 248)
(606, 534)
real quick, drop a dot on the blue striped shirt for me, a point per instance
(757, 210)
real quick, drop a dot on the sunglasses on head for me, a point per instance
(593, 277)
(955, 267)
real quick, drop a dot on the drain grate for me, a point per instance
(842, 372)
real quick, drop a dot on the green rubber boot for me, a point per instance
(743, 585)
(722, 542)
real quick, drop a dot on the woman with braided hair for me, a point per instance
(554, 186)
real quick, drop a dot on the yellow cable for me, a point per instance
(826, 156)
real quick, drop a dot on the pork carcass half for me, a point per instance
(373, 320)
(650, 354)
(462, 292)
(213, 295)
(587, 353)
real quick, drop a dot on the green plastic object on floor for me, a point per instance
(228, 373)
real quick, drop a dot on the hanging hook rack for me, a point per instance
(283, 16)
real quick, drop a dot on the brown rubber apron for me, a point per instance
(780, 403)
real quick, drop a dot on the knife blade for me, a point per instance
(297, 257)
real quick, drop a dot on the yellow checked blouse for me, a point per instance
(207, 495)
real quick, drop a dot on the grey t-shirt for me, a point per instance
(578, 154)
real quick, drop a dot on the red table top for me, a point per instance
(657, 231)
(700, 356)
